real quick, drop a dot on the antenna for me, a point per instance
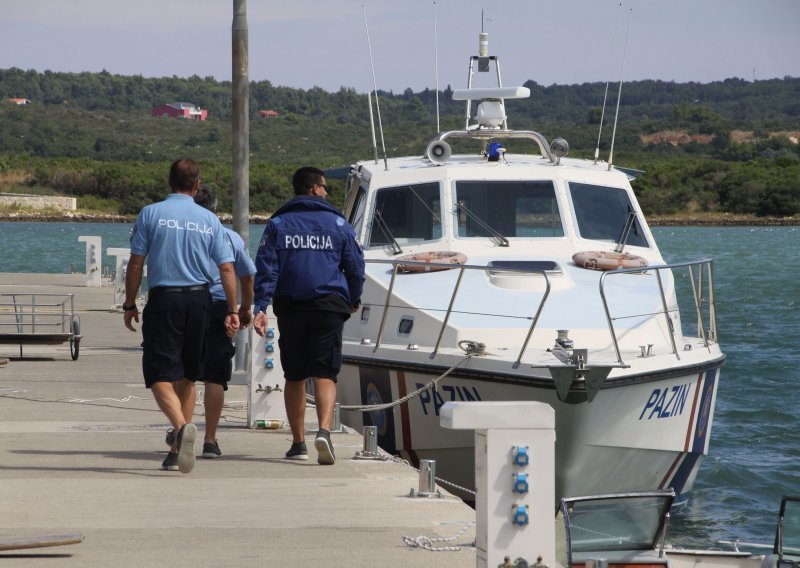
(436, 64)
(372, 126)
(619, 94)
(375, 88)
(608, 80)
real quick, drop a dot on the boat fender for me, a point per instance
(607, 260)
(435, 261)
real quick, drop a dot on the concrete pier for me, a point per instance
(81, 445)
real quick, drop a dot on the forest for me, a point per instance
(723, 147)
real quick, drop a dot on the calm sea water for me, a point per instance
(755, 445)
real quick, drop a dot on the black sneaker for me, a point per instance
(211, 450)
(186, 447)
(170, 437)
(324, 447)
(298, 451)
(170, 462)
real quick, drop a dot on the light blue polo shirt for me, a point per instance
(242, 264)
(178, 237)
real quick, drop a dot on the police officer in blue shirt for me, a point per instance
(311, 268)
(179, 239)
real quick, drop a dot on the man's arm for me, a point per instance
(133, 279)
(228, 278)
(245, 308)
(352, 264)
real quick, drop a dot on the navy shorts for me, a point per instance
(217, 367)
(174, 326)
(311, 344)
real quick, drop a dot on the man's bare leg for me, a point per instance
(294, 396)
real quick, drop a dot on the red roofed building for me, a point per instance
(180, 110)
(267, 114)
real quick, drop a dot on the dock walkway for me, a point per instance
(81, 445)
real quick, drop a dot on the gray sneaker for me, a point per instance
(298, 451)
(211, 450)
(186, 437)
(322, 442)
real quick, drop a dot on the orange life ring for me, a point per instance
(436, 260)
(607, 260)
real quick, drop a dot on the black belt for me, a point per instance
(177, 289)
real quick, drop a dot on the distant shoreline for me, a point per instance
(683, 220)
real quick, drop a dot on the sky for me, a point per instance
(323, 43)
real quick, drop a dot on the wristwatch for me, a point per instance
(131, 308)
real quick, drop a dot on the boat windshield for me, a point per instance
(602, 212)
(508, 208)
(621, 523)
(790, 526)
(406, 214)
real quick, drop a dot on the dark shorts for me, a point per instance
(174, 326)
(218, 365)
(311, 344)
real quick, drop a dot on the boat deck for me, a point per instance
(81, 444)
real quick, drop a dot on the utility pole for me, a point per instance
(241, 122)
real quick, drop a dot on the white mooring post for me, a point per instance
(121, 256)
(94, 260)
(514, 478)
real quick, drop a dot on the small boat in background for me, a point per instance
(473, 292)
(631, 530)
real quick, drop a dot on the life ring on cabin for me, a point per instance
(607, 260)
(435, 261)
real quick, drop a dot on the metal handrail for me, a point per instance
(697, 288)
(697, 284)
(35, 312)
(462, 267)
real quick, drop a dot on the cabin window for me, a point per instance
(407, 214)
(510, 208)
(602, 212)
(357, 212)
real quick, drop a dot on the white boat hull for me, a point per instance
(638, 433)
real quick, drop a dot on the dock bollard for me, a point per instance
(427, 480)
(370, 451)
(371, 439)
(337, 418)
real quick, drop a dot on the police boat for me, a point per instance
(508, 271)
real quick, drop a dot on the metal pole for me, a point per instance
(241, 121)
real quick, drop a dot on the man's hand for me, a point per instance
(130, 316)
(245, 316)
(231, 324)
(260, 323)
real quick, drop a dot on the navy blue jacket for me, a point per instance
(308, 251)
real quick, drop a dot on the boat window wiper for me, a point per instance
(626, 230)
(387, 233)
(496, 237)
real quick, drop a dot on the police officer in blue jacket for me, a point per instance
(311, 268)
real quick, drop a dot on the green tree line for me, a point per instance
(92, 135)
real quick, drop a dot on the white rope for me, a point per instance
(427, 542)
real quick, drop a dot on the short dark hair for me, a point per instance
(183, 174)
(305, 178)
(205, 197)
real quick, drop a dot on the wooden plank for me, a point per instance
(22, 542)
